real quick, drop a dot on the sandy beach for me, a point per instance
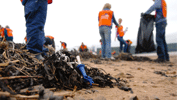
(146, 84)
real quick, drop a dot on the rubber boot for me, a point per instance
(39, 57)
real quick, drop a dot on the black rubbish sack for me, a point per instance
(145, 41)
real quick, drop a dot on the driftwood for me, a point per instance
(7, 63)
(15, 77)
(58, 71)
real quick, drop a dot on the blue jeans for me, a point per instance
(35, 15)
(121, 44)
(162, 50)
(105, 33)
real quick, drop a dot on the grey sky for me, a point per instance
(76, 21)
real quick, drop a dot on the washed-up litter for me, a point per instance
(130, 57)
(163, 74)
(88, 55)
(19, 70)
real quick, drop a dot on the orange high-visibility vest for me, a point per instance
(105, 17)
(163, 9)
(113, 53)
(63, 45)
(83, 47)
(51, 37)
(120, 31)
(129, 41)
(49, 1)
(100, 51)
(2, 32)
(9, 32)
(25, 39)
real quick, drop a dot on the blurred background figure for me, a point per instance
(8, 36)
(83, 48)
(63, 45)
(119, 34)
(1, 33)
(49, 40)
(113, 53)
(129, 42)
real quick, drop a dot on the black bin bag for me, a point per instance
(145, 41)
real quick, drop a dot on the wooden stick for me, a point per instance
(35, 90)
(27, 74)
(14, 77)
(7, 63)
(94, 84)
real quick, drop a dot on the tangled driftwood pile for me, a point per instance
(121, 56)
(130, 57)
(87, 55)
(19, 70)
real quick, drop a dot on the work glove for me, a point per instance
(88, 79)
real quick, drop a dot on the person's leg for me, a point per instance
(107, 32)
(164, 41)
(129, 47)
(35, 15)
(120, 38)
(101, 30)
(125, 45)
(122, 42)
(160, 41)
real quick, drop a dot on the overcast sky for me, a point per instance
(76, 21)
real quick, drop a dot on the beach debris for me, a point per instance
(20, 70)
(163, 74)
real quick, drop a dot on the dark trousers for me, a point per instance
(122, 42)
(162, 50)
(128, 48)
(35, 15)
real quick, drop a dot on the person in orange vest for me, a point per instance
(160, 7)
(63, 45)
(100, 52)
(49, 40)
(8, 34)
(129, 42)
(1, 33)
(114, 52)
(25, 39)
(83, 48)
(119, 34)
(105, 18)
(35, 16)
(101, 46)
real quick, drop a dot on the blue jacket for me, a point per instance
(7, 37)
(158, 7)
(113, 19)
